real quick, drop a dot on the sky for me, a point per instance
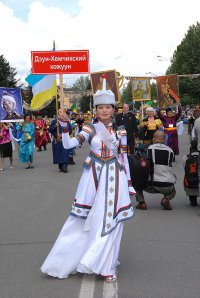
(124, 35)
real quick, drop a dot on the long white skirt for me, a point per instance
(80, 247)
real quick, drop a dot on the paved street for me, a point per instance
(160, 251)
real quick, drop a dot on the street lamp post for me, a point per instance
(153, 75)
(161, 58)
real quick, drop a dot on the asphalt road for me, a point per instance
(160, 251)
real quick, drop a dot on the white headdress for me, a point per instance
(7, 98)
(150, 109)
(104, 97)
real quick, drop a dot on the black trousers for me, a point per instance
(131, 145)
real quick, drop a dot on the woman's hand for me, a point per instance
(143, 124)
(63, 119)
(62, 116)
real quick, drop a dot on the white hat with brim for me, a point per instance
(104, 97)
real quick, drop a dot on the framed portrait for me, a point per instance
(168, 90)
(11, 109)
(111, 81)
(141, 89)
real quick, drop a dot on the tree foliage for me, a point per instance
(85, 103)
(153, 91)
(7, 74)
(82, 83)
(127, 94)
(27, 94)
(186, 60)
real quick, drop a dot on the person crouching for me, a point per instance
(162, 176)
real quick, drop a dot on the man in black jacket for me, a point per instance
(128, 119)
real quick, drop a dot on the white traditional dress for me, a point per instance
(89, 241)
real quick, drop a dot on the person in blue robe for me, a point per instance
(60, 154)
(26, 148)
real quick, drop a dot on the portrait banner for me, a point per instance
(11, 105)
(111, 81)
(141, 88)
(168, 90)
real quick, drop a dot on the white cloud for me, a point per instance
(124, 35)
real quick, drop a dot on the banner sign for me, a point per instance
(141, 89)
(11, 105)
(60, 62)
(168, 91)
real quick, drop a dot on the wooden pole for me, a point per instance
(61, 93)
(57, 115)
(54, 48)
(142, 106)
(56, 104)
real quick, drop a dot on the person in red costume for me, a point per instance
(41, 133)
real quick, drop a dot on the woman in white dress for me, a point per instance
(89, 241)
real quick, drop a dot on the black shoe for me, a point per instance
(64, 168)
(39, 149)
(193, 201)
(71, 161)
(45, 148)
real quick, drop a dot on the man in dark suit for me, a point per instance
(128, 119)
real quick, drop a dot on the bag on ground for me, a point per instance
(139, 164)
(191, 179)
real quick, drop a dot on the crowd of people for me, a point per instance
(123, 145)
(36, 132)
(103, 198)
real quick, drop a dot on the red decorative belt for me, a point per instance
(170, 128)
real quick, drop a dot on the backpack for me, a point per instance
(139, 164)
(191, 179)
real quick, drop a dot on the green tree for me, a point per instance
(153, 91)
(7, 74)
(85, 103)
(81, 83)
(186, 60)
(127, 93)
(50, 110)
(27, 94)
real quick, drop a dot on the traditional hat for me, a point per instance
(150, 109)
(104, 97)
(169, 109)
(38, 113)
